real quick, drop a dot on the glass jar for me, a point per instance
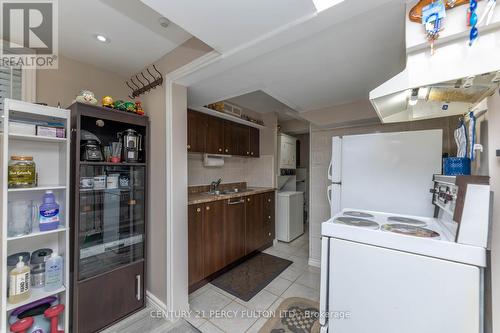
(22, 172)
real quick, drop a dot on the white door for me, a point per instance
(373, 289)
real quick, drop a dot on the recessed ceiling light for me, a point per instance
(321, 5)
(101, 38)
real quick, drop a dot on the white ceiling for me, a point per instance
(136, 37)
(304, 59)
(259, 101)
(229, 24)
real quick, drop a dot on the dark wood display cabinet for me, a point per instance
(109, 214)
(213, 135)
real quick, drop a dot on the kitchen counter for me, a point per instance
(198, 198)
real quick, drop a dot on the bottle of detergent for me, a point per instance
(49, 212)
(19, 282)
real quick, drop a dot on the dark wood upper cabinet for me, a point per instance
(241, 143)
(254, 138)
(229, 139)
(213, 237)
(234, 229)
(195, 243)
(197, 131)
(213, 135)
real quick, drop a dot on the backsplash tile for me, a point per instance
(256, 172)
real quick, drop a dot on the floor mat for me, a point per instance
(294, 315)
(248, 278)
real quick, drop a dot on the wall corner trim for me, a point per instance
(155, 302)
(314, 262)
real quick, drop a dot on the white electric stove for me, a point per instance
(393, 273)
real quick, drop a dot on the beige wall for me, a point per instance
(256, 172)
(321, 146)
(294, 126)
(155, 105)
(346, 114)
(63, 84)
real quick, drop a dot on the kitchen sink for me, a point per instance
(228, 192)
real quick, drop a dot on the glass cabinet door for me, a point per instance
(112, 217)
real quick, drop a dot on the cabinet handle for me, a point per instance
(248, 153)
(220, 149)
(268, 200)
(198, 209)
(269, 217)
(248, 199)
(138, 281)
(208, 208)
(269, 234)
(189, 146)
(229, 202)
(251, 153)
(227, 150)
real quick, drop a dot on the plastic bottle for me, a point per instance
(49, 212)
(19, 283)
(53, 272)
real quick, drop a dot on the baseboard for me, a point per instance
(314, 262)
(152, 300)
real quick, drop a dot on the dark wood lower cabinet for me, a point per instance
(213, 237)
(253, 222)
(222, 232)
(234, 230)
(195, 241)
(123, 291)
(269, 229)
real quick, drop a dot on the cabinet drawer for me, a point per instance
(109, 297)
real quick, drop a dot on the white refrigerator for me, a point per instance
(388, 172)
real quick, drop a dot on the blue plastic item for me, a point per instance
(49, 212)
(457, 166)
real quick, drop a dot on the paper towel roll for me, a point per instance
(213, 161)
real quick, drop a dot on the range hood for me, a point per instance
(437, 100)
(457, 79)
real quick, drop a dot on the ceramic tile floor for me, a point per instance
(298, 280)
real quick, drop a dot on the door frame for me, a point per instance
(176, 204)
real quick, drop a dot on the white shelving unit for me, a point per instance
(52, 158)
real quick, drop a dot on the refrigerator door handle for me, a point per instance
(323, 299)
(330, 168)
(329, 194)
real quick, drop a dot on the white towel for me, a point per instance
(461, 140)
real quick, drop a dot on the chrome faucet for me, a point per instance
(214, 186)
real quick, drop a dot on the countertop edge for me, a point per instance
(212, 198)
